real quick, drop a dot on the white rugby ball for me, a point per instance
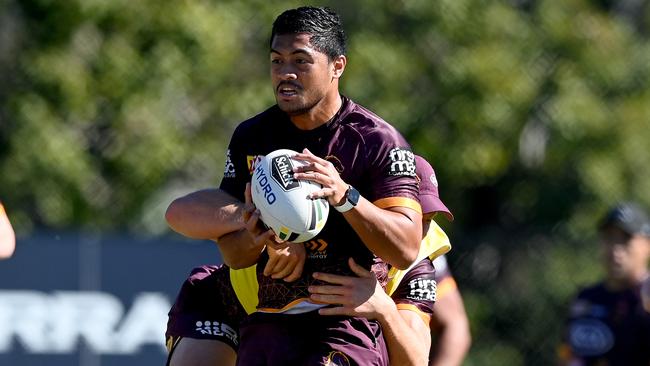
(284, 203)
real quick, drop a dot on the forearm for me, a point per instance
(239, 249)
(205, 214)
(451, 348)
(405, 345)
(394, 234)
(452, 328)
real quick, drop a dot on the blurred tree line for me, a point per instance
(535, 114)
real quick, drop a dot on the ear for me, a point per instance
(338, 66)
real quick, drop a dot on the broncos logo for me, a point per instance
(337, 358)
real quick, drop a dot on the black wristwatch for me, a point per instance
(351, 199)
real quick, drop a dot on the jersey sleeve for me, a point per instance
(417, 291)
(236, 172)
(393, 181)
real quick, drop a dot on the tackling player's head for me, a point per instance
(625, 233)
(429, 195)
(307, 61)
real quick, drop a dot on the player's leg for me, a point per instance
(203, 325)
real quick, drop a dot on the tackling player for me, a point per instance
(368, 174)
(7, 236)
(203, 323)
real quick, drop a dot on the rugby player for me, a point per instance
(368, 174)
(203, 323)
(607, 324)
(450, 333)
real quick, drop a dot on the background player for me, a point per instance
(450, 333)
(607, 324)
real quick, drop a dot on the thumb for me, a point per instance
(357, 269)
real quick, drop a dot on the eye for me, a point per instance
(275, 61)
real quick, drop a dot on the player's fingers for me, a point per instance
(331, 278)
(296, 273)
(358, 270)
(268, 269)
(327, 299)
(321, 193)
(283, 268)
(248, 197)
(327, 290)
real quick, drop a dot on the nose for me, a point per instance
(286, 72)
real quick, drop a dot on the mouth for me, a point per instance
(287, 90)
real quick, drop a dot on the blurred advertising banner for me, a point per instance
(92, 300)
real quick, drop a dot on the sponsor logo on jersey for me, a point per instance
(316, 249)
(337, 358)
(422, 289)
(282, 172)
(590, 337)
(264, 185)
(251, 160)
(402, 162)
(229, 169)
(216, 328)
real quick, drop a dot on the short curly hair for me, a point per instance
(322, 23)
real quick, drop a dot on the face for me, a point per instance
(626, 256)
(302, 76)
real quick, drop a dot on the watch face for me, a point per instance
(353, 196)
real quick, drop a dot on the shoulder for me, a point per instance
(256, 122)
(369, 125)
(206, 274)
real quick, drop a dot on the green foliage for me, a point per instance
(535, 116)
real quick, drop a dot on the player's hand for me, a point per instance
(286, 260)
(252, 223)
(357, 296)
(323, 172)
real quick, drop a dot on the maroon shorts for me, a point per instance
(310, 339)
(206, 308)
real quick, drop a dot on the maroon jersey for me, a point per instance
(417, 290)
(206, 308)
(368, 153)
(607, 328)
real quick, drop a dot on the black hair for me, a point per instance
(323, 24)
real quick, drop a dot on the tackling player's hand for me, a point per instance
(252, 223)
(357, 296)
(286, 260)
(323, 172)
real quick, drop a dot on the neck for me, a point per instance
(319, 114)
(627, 282)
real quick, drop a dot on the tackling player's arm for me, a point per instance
(213, 214)
(450, 325)
(393, 233)
(407, 335)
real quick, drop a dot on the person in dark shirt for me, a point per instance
(607, 325)
(367, 171)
